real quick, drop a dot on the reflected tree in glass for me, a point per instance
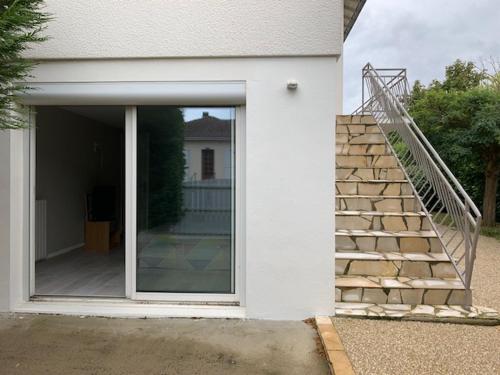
(161, 136)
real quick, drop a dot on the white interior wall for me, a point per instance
(289, 175)
(68, 167)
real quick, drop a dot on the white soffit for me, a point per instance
(352, 8)
(136, 93)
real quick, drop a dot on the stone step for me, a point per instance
(394, 264)
(363, 174)
(436, 313)
(355, 119)
(376, 220)
(386, 233)
(377, 255)
(380, 213)
(387, 203)
(387, 241)
(360, 161)
(397, 290)
(360, 139)
(357, 129)
(347, 149)
(373, 187)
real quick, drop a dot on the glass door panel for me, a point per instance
(185, 199)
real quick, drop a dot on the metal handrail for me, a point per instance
(394, 78)
(451, 212)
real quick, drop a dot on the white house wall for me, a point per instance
(195, 28)
(289, 172)
(4, 219)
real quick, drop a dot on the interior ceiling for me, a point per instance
(107, 115)
(352, 8)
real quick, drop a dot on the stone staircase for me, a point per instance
(386, 249)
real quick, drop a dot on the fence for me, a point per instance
(207, 208)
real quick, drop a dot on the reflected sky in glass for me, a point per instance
(192, 113)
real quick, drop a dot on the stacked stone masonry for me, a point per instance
(389, 203)
(391, 221)
(386, 249)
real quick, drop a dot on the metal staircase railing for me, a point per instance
(453, 215)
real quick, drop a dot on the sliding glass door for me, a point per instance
(185, 200)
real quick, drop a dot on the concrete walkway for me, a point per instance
(53, 345)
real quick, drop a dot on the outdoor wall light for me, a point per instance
(292, 84)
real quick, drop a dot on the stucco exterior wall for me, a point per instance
(194, 28)
(288, 263)
(4, 219)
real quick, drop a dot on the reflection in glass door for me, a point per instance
(185, 190)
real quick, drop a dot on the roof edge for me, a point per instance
(353, 18)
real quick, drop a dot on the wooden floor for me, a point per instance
(82, 273)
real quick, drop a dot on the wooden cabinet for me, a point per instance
(98, 236)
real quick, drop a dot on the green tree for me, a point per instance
(21, 24)
(483, 137)
(462, 76)
(461, 118)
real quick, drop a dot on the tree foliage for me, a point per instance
(461, 118)
(21, 24)
(161, 162)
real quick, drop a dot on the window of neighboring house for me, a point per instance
(227, 163)
(188, 169)
(207, 164)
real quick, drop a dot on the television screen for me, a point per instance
(101, 204)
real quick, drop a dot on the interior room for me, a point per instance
(184, 200)
(79, 207)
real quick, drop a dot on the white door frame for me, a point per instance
(130, 201)
(32, 198)
(23, 172)
(131, 215)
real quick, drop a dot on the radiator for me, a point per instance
(40, 229)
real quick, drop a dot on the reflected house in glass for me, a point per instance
(207, 148)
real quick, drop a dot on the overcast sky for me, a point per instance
(423, 36)
(193, 113)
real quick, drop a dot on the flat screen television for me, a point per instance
(101, 204)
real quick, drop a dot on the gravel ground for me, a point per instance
(391, 347)
(378, 347)
(486, 275)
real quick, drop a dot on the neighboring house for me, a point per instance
(207, 148)
(182, 154)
